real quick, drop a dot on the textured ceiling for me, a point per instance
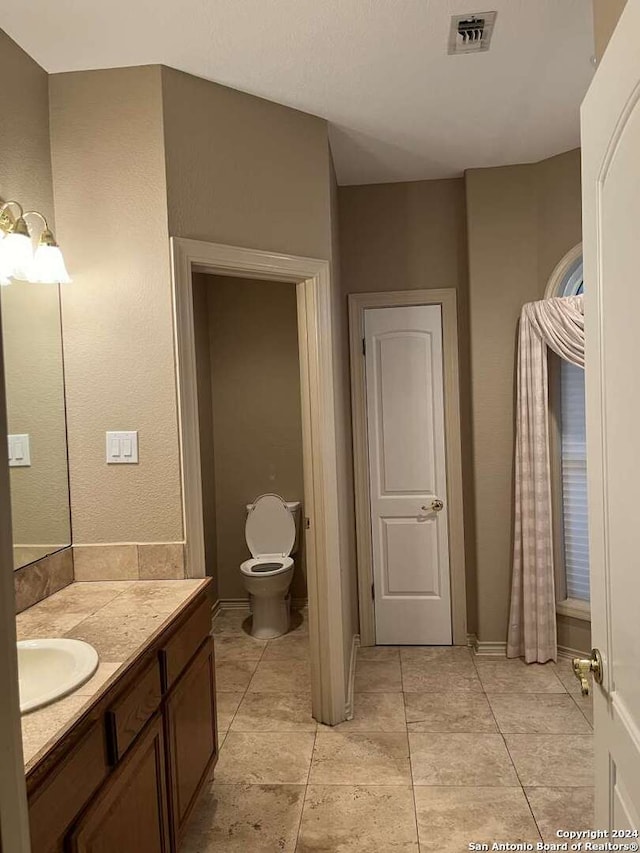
(399, 107)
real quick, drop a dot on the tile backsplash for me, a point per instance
(129, 561)
(44, 577)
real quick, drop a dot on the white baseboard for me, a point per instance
(488, 649)
(499, 650)
(567, 652)
(349, 706)
(215, 608)
(243, 604)
(233, 604)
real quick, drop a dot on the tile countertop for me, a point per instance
(118, 618)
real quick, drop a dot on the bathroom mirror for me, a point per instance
(34, 377)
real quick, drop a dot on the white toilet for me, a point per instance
(271, 532)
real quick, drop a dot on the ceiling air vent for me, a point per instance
(471, 33)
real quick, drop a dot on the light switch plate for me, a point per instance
(122, 447)
(19, 451)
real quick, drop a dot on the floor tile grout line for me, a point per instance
(574, 697)
(413, 787)
(533, 814)
(506, 746)
(246, 688)
(306, 789)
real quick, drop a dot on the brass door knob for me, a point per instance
(583, 666)
(436, 506)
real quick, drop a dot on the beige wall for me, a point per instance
(30, 313)
(574, 634)
(111, 211)
(244, 171)
(25, 165)
(408, 236)
(559, 203)
(605, 17)
(521, 221)
(257, 428)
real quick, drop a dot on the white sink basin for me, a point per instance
(51, 669)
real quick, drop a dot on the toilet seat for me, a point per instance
(261, 566)
(270, 529)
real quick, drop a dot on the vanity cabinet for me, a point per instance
(190, 725)
(130, 813)
(128, 773)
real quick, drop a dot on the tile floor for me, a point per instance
(444, 749)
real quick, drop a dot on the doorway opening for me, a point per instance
(250, 433)
(250, 420)
(321, 545)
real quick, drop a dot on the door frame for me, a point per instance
(358, 304)
(315, 336)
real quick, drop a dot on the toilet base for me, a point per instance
(271, 617)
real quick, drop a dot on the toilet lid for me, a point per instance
(270, 527)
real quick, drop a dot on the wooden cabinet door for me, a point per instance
(191, 734)
(129, 814)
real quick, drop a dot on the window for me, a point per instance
(573, 461)
(570, 461)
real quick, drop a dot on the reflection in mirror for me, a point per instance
(34, 376)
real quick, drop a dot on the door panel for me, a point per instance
(405, 425)
(402, 360)
(405, 544)
(611, 212)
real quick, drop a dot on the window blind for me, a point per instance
(574, 481)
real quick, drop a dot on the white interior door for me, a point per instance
(405, 424)
(611, 214)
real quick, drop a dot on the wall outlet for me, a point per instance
(19, 451)
(122, 448)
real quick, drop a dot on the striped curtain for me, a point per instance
(557, 323)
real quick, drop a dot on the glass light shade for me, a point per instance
(48, 266)
(16, 256)
(5, 272)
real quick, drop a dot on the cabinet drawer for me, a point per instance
(54, 805)
(186, 641)
(126, 718)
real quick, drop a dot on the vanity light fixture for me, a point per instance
(16, 251)
(17, 259)
(48, 263)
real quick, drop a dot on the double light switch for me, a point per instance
(122, 448)
(19, 451)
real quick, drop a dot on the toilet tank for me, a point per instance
(295, 508)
